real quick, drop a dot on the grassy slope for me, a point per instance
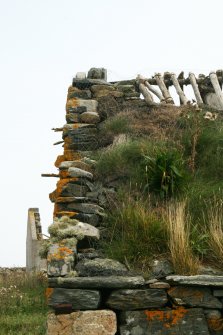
(175, 143)
(23, 307)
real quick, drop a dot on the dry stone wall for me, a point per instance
(91, 294)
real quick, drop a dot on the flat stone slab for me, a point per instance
(86, 208)
(198, 280)
(100, 267)
(111, 282)
(137, 299)
(194, 297)
(166, 322)
(90, 117)
(101, 322)
(86, 83)
(78, 164)
(76, 172)
(74, 298)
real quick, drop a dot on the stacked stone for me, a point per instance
(93, 295)
(77, 275)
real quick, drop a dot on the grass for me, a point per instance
(23, 307)
(183, 259)
(216, 232)
(136, 231)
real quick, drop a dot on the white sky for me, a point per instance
(44, 43)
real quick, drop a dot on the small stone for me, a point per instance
(72, 118)
(194, 297)
(90, 117)
(160, 285)
(218, 293)
(161, 268)
(74, 298)
(212, 314)
(84, 84)
(86, 230)
(75, 190)
(74, 92)
(60, 260)
(78, 164)
(89, 105)
(80, 75)
(92, 219)
(100, 267)
(105, 90)
(86, 208)
(137, 299)
(79, 173)
(101, 322)
(97, 73)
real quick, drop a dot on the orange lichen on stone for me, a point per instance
(67, 143)
(56, 210)
(59, 160)
(63, 174)
(169, 318)
(75, 125)
(61, 254)
(48, 292)
(71, 155)
(215, 324)
(53, 196)
(62, 182)
(66, 213)
(72, 103)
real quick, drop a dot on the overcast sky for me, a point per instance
(44, 43)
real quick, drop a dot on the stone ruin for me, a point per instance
(87, 292)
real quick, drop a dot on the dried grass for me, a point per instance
(215, 217)
(178, 228)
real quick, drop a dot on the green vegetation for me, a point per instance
(171, 158)
(23, 306)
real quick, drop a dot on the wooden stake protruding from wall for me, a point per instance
(217, 87)
(145, 92)
(154, 91)
(195, 87)
(160, 82)
(179, 90)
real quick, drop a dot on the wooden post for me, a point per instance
(179, 90)
(217, 88)
(160, 82)
(145, 92)
(195, 87)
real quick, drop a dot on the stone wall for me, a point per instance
(34, 241)
(88, 293)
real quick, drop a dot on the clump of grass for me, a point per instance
(23, 307)
(137, 232)
(215, 216)
(118, 124)
(178, 227)
(166, 173)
